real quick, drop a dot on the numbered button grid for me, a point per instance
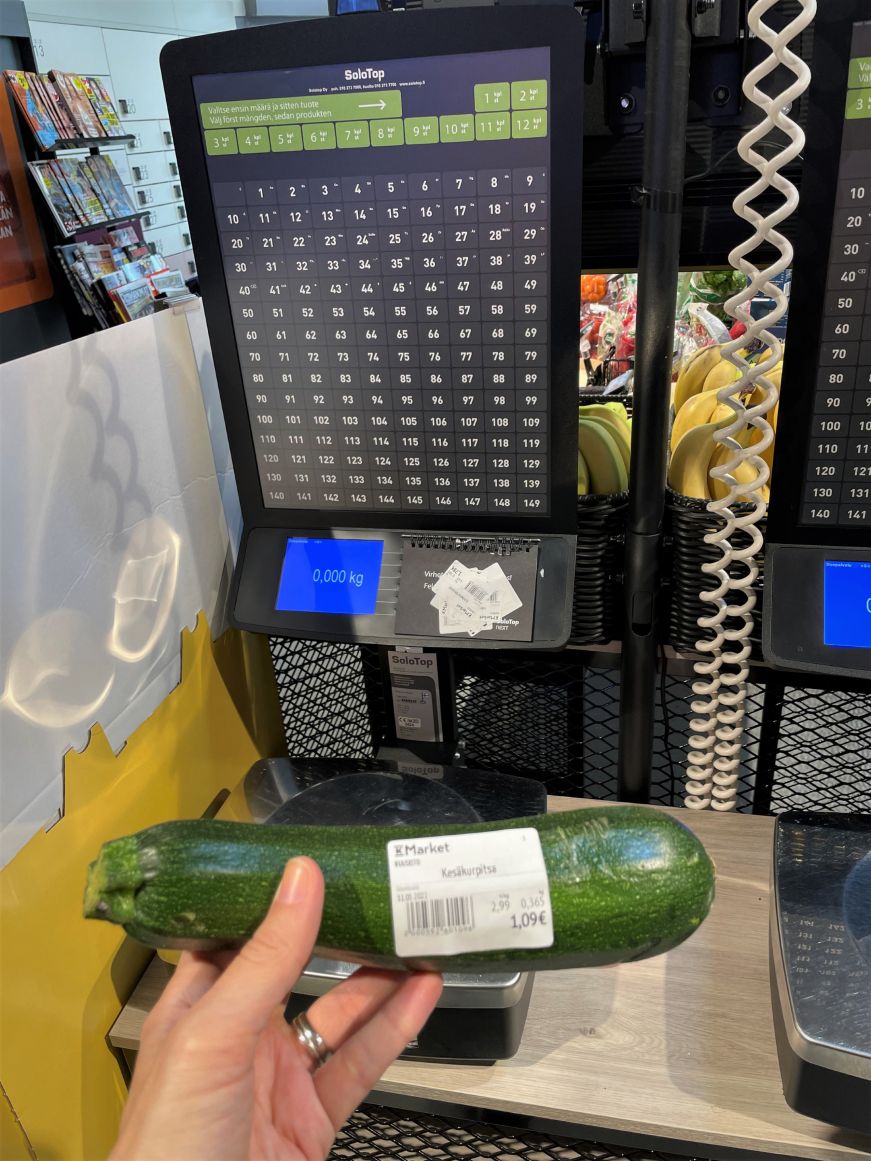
(837, 486)
(393, 337)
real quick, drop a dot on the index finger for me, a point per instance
(245, 995)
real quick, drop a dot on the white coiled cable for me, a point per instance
(718, 725)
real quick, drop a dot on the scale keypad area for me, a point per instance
(393, 338)
(385, 235)
(837, 489)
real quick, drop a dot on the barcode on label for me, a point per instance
(477, 592)
(456, 913)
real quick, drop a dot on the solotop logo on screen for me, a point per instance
(364, 74)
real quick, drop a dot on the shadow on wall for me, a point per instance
(113, 539)
(62, 668)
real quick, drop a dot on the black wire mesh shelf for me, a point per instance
(556, 717)
(374, 1133)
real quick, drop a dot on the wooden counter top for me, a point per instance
(679, 1047)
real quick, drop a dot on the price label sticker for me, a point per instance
(471, 599)
(458, 893)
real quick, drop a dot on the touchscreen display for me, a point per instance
(847, 604)
(385, 230)
(329, 576)
(838, 458)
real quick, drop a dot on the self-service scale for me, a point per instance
(387, 233)
(386, 218)
(817, 612)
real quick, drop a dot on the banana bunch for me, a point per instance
(698, 415)
(604, 436)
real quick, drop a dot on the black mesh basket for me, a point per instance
(688, 521)
(597, 605)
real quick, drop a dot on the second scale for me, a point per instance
(388, 238)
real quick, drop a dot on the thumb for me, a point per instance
(244, 998)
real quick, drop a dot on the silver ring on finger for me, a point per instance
(312, 1041)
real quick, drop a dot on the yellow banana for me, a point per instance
(583, 476)
(693, 374)
(604, 462)
(618, 409)
(688, 470)
(697, 410)
(744, 473)
(620, 434)
(720, 376)
(606, 412)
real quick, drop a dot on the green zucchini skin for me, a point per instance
(626, 882)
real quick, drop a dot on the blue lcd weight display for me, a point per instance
(329, 576)
(847, 604)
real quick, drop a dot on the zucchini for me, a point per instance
(626, 882)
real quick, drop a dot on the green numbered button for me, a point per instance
(253, 140)
(457, 127)
(492, 126)
(860, 72)
(319, 136)
(529, 124)
(421, 130)
(528, 94)
(220, 142)
(489, 98)
(387, 132)
(858, 104)
(284, 138)
(352, 134)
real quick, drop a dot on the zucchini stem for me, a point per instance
(113, 880)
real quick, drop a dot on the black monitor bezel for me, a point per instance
(812, 233)
(384, 36)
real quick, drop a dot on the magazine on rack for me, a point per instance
(65, 213)
(79, 108)
(102, 105)
(134, 299)
(77, 178)
(32, 108)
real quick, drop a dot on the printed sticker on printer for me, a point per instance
(459, 893)
(472, 600)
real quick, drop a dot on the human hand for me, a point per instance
(221, 1076)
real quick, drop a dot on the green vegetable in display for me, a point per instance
(724, 283)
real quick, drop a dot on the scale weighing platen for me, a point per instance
(387, 234)
(479, 1018)
(821, 964)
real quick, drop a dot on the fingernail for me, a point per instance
(291, 887)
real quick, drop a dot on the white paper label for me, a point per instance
(471, 600)
(469, 892)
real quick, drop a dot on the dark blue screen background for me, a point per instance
(847, 604)
(303, 589)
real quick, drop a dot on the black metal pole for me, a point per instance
(769, 737)
(665, 120)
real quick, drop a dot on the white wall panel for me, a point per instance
(112, 539)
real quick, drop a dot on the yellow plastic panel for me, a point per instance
(64, 978)
(13, 1143)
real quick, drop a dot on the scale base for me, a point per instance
(479, 1019)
